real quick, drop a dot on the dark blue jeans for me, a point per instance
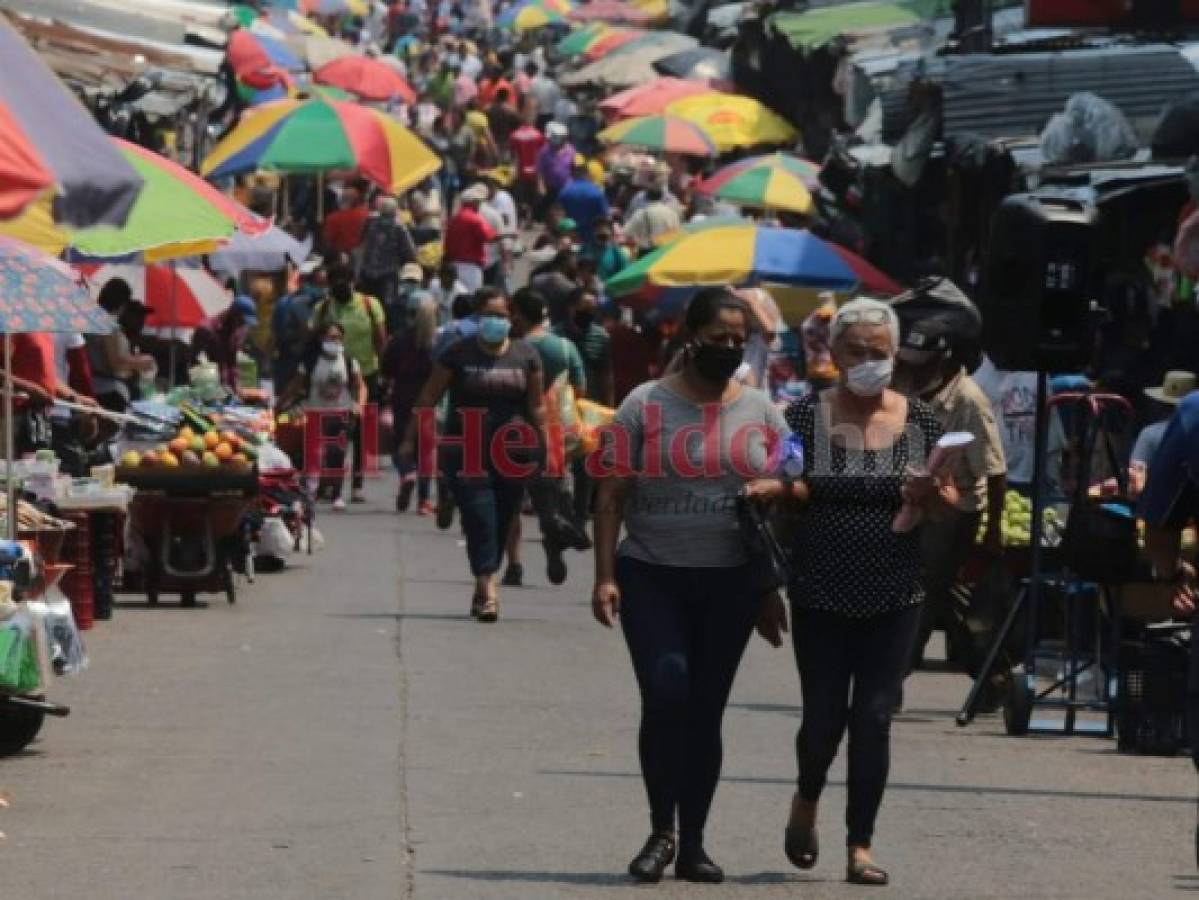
(686, 630)
(487, 503)
(850, 674)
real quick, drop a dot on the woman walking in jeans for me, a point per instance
(674, 460)
(493, 437)
(857, 593)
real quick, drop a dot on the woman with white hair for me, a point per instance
(856, 596)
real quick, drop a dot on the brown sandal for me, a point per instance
(868, 873)
(489, 611)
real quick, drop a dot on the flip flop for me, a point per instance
(867, 873)
(801, 845)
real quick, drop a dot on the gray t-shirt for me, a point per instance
(689, 461)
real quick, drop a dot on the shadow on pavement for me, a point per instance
(593, 879)
(916, 788)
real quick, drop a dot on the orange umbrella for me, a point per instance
(612, 40)
(366, 78)
(651, 98)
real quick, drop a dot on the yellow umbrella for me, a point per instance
(733, 121)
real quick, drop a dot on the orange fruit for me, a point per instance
(169, 460)
(211, 439)
(179, 445)
(223, 451)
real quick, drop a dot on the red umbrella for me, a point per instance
(651, 98)
(870, 278)
(366, 78)
(177, 297)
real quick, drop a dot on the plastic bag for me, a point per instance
(1090, 129)
(275, 539)
(19, 670)
(272, 459)
(63, 639)
(592, 418)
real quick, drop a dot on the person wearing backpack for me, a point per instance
(363, 323)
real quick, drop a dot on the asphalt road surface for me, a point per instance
(345, 731)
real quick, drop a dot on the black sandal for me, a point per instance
(801, 845)
(868, 873)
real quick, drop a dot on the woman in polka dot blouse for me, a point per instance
(856, 596)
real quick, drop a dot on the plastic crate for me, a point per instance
(1151, 718)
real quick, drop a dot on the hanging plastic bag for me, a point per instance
(63, 639)
(19, 670)
(275, 540)
(1089, 129)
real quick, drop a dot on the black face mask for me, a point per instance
(716, 363)
(341, 292)
(584, 318)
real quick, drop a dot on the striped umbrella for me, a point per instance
(612, 40)
(529, 15)
(668, 134)
(650, 99)
(249, 51)
(51, 143)
(735, 255)
(176, 296)
(309, 136)
(734, 121)
(577, 42)
(335, 7)
(176, 214)
(367, 78)
(773, 181)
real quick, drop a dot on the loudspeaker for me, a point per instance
(1039, 283)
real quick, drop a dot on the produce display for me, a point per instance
(1015, 527)
(199, 444)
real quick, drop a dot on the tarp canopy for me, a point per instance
(819, 27)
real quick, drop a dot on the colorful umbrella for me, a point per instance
(612, 40)
(40, 294)
(335, 7)
(669, 134)
(292, 23)
(367, 78)
(734, 121)
(699, 64)
(630, 64)
(529, 16)
(320, 136)
(612, 11)
(650, 99)
(176, 214)
(773, 181)
(250, 52)
(737, 254)
(870, 277)
(177, 296)
(319, 49)
(51, 143)
(577, 42)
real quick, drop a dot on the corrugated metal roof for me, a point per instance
(1013, 95)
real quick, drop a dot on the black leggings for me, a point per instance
(686, 630)
(837, 654)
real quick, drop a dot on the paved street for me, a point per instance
(346, 732)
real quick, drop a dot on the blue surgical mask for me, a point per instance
(494, 329)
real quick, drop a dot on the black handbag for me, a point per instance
(769, 566)
(1100, 543)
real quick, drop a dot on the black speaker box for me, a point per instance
(1039, 282)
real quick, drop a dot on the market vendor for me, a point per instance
(35, 381)
(114, 364)
(930, 368)
(220, 337)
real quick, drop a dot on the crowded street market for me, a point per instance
(382, 380)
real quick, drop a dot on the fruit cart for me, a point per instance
(190, 522)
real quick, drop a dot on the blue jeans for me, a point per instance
(487, 503)
(686, 629)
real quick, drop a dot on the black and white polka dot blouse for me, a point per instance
(847, 558)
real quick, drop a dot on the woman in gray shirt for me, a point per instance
(670, 469)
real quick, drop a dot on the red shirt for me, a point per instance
(526, 142)
(466, 237)
(488, 89)
(33, 360)
(342, 231)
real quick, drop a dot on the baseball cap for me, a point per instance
(933, 334)
(245, 305)
(412, 272)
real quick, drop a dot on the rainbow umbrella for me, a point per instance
(773, 181)
(737, 254)
(51, 143)
(612, 41)
(249, 51)
(734, 121)
(668, 134)
(176, 214)
(367, 78)
(650, 99)
(335, 7)
(577, 42)
(310, 136)
(529, 15)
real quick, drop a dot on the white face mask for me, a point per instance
(869, 379)
(331, 348)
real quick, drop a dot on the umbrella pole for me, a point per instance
(286, 199)
(320, 198)
(174, 324)
(11, 480)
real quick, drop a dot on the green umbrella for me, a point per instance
(577, 42)
(245, 15)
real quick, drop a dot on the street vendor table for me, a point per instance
(190, 524)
